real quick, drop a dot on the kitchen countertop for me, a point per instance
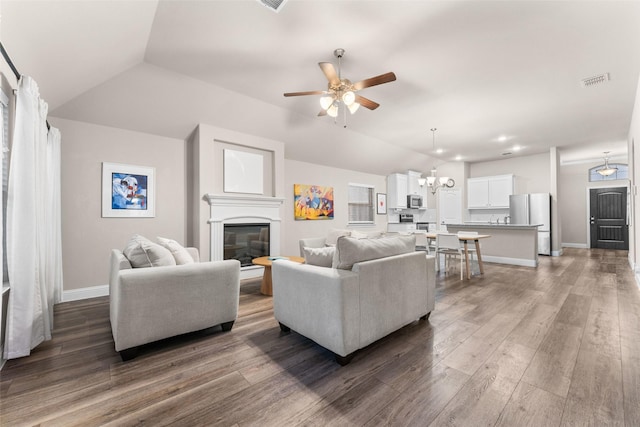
(494, 226)
(515, 244)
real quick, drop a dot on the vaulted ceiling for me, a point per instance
(488, 75)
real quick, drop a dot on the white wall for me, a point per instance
(307, 173)
(87, 238)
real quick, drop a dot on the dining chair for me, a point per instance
(448, 244)
(422, 242)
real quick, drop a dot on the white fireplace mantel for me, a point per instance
(242, 209)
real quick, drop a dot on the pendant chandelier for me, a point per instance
(433, 181)
(607, 170)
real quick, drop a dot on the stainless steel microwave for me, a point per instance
(414, 201)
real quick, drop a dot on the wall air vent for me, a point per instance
(595, 80)
(507, 153)
(274, 5)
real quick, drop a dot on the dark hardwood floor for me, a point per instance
(556, 345)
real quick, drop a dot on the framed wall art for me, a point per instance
(312, 202)
(381, 203)
(128, 191)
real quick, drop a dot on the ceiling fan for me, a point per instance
(341, 90)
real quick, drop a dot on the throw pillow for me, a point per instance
(180, 254)
(350, 251)
(142, 252)
(358, 235)
(333, 234)
(376, 234)
(322, 257)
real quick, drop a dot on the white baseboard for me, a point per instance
(511, 261)
(85, 293)
(575, 245)
(556, 253)
(103, 290)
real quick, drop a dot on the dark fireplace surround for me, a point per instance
(245, 242)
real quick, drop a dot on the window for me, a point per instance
(361, 201)
(621, 173)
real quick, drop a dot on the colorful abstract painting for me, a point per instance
(128, 191)
(312, 202)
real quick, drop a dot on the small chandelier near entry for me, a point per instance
(606, 170)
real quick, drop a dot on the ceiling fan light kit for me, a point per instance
(342, 91)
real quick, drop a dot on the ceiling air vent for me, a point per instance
(274, 5)
(595, 80)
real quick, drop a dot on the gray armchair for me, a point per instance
(150, 304)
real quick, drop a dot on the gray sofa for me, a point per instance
(150, 304)
(368, 295)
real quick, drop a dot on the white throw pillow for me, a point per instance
(376, 235)
(142, 252)
(322, 257)
(333, 234)
(358, 235)
(178, 251)
(350, 251)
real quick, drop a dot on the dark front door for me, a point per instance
(609, 229)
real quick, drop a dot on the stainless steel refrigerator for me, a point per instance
(533, 209)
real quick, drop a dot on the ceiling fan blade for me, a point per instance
(366, 102)
(373, 81)
(322, 113)
(311, 92)
(330, 73)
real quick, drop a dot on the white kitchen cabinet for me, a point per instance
(489, 192)
(397, 191)
(477, 193)
(413, 186)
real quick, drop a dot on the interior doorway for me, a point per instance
(609, 227)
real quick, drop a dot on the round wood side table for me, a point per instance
(267, 285)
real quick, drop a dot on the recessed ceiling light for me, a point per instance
(439, 151)
(502, 138)
(458, 157)
(516, 148)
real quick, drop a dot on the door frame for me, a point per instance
(623, 183)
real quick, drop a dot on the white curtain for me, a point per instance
(34, 248)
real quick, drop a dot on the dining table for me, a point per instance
(465, 239)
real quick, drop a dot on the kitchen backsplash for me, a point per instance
(486, 215)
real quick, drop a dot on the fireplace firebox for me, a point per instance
(245, 242)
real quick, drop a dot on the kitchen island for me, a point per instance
(509, 243)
